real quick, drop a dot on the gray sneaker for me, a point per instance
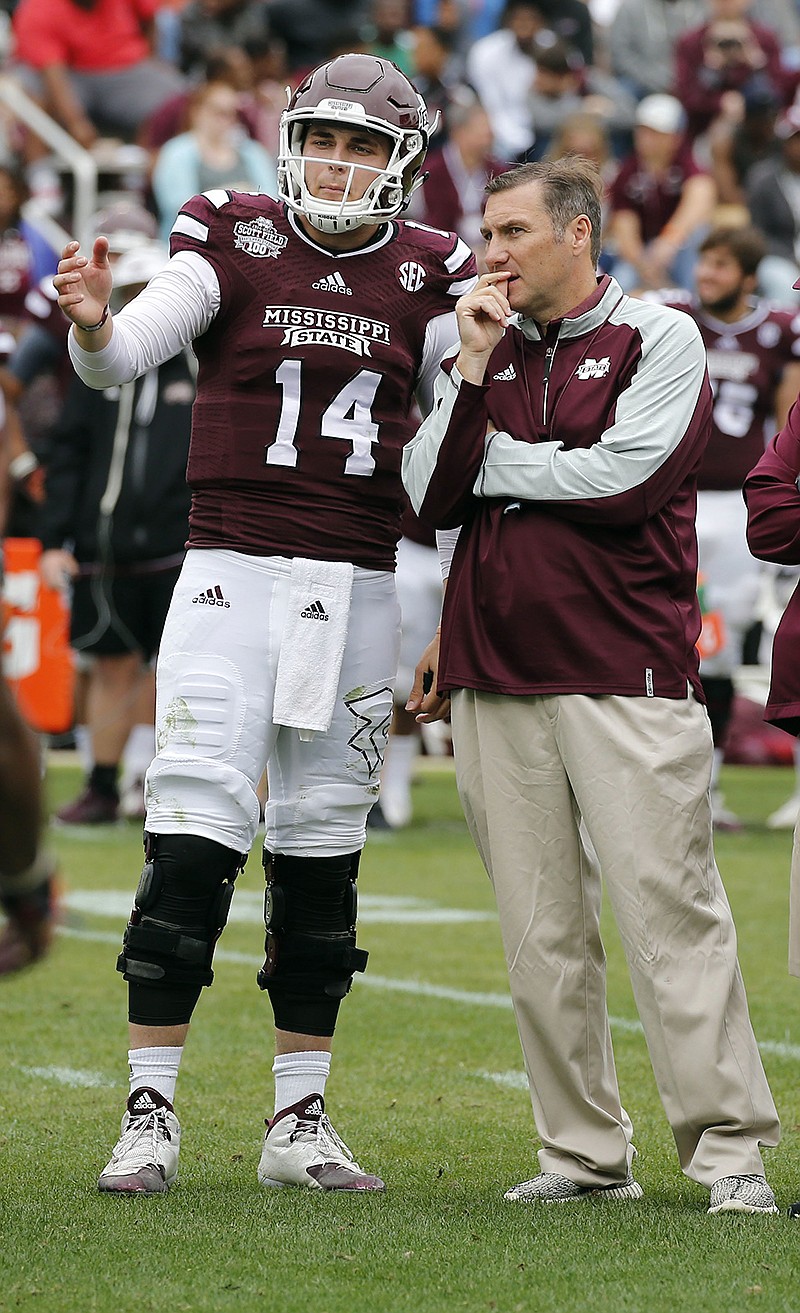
(145, 1157)
(553, 1188)
(742, 1194)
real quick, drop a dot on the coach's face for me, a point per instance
(548, 274)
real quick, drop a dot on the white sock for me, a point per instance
(83, 747)
(139, 751)
(398, 767)
(157, 1068)
(716, 767)
(298, 1075)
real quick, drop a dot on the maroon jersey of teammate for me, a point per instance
(745, 362)
(303, 404)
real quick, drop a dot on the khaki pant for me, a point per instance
(637, 771)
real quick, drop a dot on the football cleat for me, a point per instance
(785, 818)
(553, 1188)
(302, 1148)
(742, 1194)
(89, 808)
(145, 1157)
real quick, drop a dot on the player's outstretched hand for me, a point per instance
(423, 698)
(84, 284)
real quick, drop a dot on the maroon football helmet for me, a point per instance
(359, 91)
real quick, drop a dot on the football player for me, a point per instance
(754, 365)
(315, 319)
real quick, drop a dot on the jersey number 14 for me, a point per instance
(349, 416)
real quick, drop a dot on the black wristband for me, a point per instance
(94, 328)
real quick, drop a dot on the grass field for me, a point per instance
(426, 1087)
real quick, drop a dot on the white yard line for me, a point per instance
(71, 1076)
(423, 989)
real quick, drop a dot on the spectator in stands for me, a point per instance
(215, 152)
(233, 66)
(584, 134)
(563, 85)
(740, 139)
(501, 68)
(773, 196)
(661, 202)
(642, 36)
(115, 521)
(717, 61)
(387, 33)
(312, 30)
(89, 62)
(210, 28)
(436, 75)
(454, 192)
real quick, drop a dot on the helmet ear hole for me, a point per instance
(357, 91)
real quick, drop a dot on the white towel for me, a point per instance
(313, 644)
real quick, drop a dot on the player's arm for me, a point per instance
(773, 500)
(441, 462)
(177, 306)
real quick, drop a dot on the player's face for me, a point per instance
(341, 162)
(721, 285)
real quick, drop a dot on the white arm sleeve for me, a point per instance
(446, 540)
(176, 307)
(441, 341)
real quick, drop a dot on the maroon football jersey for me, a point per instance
(16, 268)
(306, 378)
(745, 364)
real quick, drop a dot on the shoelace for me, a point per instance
(138, 1129)
(321, 1129)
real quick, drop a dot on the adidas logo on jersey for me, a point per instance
(210, 597)
(506, 375)
(333, 283)
(316, 611)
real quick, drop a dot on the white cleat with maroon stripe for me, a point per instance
(302, 1148)
(145, 1157)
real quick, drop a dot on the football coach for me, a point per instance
(565, 441)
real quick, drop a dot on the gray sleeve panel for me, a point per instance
(652, 417)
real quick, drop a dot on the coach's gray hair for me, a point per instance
(571, 186)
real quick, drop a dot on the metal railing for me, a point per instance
(75, 157)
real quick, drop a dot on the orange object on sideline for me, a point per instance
(37, 658)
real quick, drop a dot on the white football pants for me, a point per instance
(215, 682)
(732, 576)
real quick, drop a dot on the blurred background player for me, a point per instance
(27, 869)
(753, 362)
(114, 522)
(419, 592)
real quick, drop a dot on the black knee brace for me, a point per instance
(180, 909)
(310, 919)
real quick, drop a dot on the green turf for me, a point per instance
(410, 1091)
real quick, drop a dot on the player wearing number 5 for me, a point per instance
(315, 320)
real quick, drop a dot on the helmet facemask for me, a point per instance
(357, 92)
(385, 196)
